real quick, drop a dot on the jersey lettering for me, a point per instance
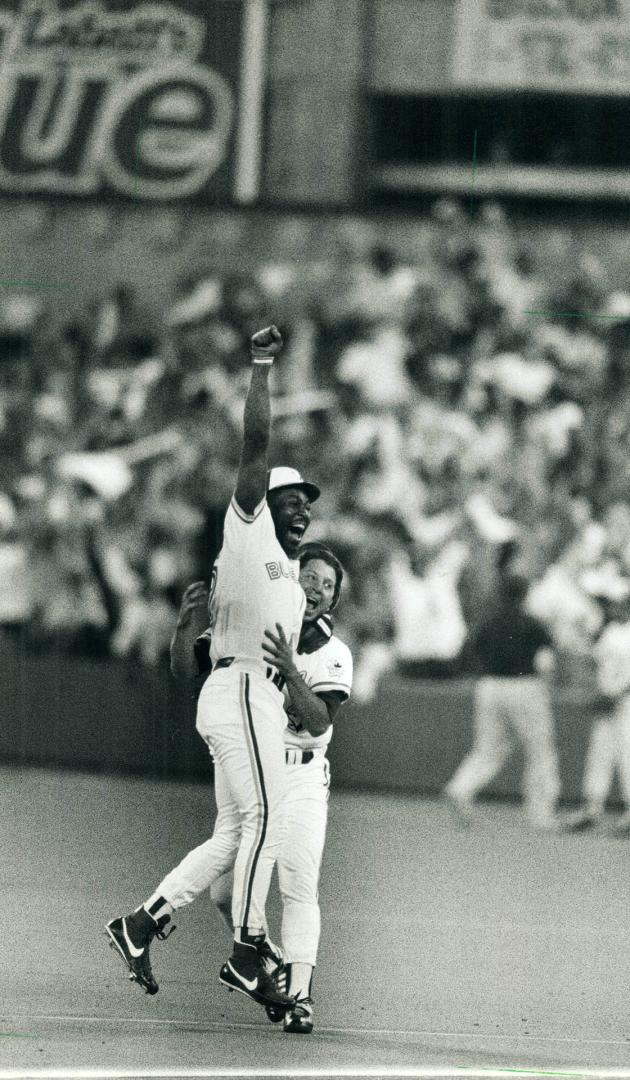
(278, 569)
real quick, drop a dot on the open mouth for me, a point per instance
(311, 604)
(296, 532)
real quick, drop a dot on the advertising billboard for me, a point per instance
(120, 99)
(577, 46)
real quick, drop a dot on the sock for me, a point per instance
(156, 906)
(301, 980)
(244, 936)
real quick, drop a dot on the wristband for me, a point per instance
(261, 359)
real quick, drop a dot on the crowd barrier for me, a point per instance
(111, 715)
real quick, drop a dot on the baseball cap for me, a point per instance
(282, 476)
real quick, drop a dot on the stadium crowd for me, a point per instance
(462, 414)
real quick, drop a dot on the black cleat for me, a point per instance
(281, 978)
(131, 936)
(299, 1019)
(249, 977)
(271, 955)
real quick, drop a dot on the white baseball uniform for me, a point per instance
(328, 667)
(609, 746)
(240, 711)
(306, 804)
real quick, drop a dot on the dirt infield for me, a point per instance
(443, 953)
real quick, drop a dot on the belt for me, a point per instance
(275, 676)
(298, 757)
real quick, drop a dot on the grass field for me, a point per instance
(444, 953)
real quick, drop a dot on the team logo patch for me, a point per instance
(334, 667)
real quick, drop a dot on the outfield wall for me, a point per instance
(108, 715)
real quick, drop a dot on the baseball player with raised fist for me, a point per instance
(240, 712)
(318, 679)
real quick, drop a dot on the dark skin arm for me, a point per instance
(251, 483)
(311, 709)
(191, 622)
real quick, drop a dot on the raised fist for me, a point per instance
(267, 342)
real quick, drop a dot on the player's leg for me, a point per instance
(599, 767)
(205, 863)
(131, 935)
(260, 778)
(621, 729)
(532, 717)
(299, 864)
(221, 892)
(244, 730)
(491, 747)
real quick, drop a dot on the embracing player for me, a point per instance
(318, 679)
(240, 712)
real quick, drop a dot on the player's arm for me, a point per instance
(251, 483)
(311, 709)
(314, 712)
(191, 622)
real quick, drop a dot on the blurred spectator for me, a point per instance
(446, 420)
(15, 579)
(428, 620)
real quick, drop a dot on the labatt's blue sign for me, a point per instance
(94, 99)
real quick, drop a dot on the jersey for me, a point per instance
(612, 655)
(254, 585)
(327, 668)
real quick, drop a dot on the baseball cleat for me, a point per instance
(271, 956)
(251, 979)
(282, 983)
(130, 936)
(299, 1019)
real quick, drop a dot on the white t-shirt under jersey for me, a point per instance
(254, 585)
(327, 668)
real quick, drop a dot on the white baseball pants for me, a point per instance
(300, 858)
(240, 715)
(503, 708)
(209, 861)
(609, 749)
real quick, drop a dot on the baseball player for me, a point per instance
(609, 746)
(323, 676)
(240, 711)
(511, 700)
(318, 679)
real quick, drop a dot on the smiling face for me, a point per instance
(291, 512)
(318, 579)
